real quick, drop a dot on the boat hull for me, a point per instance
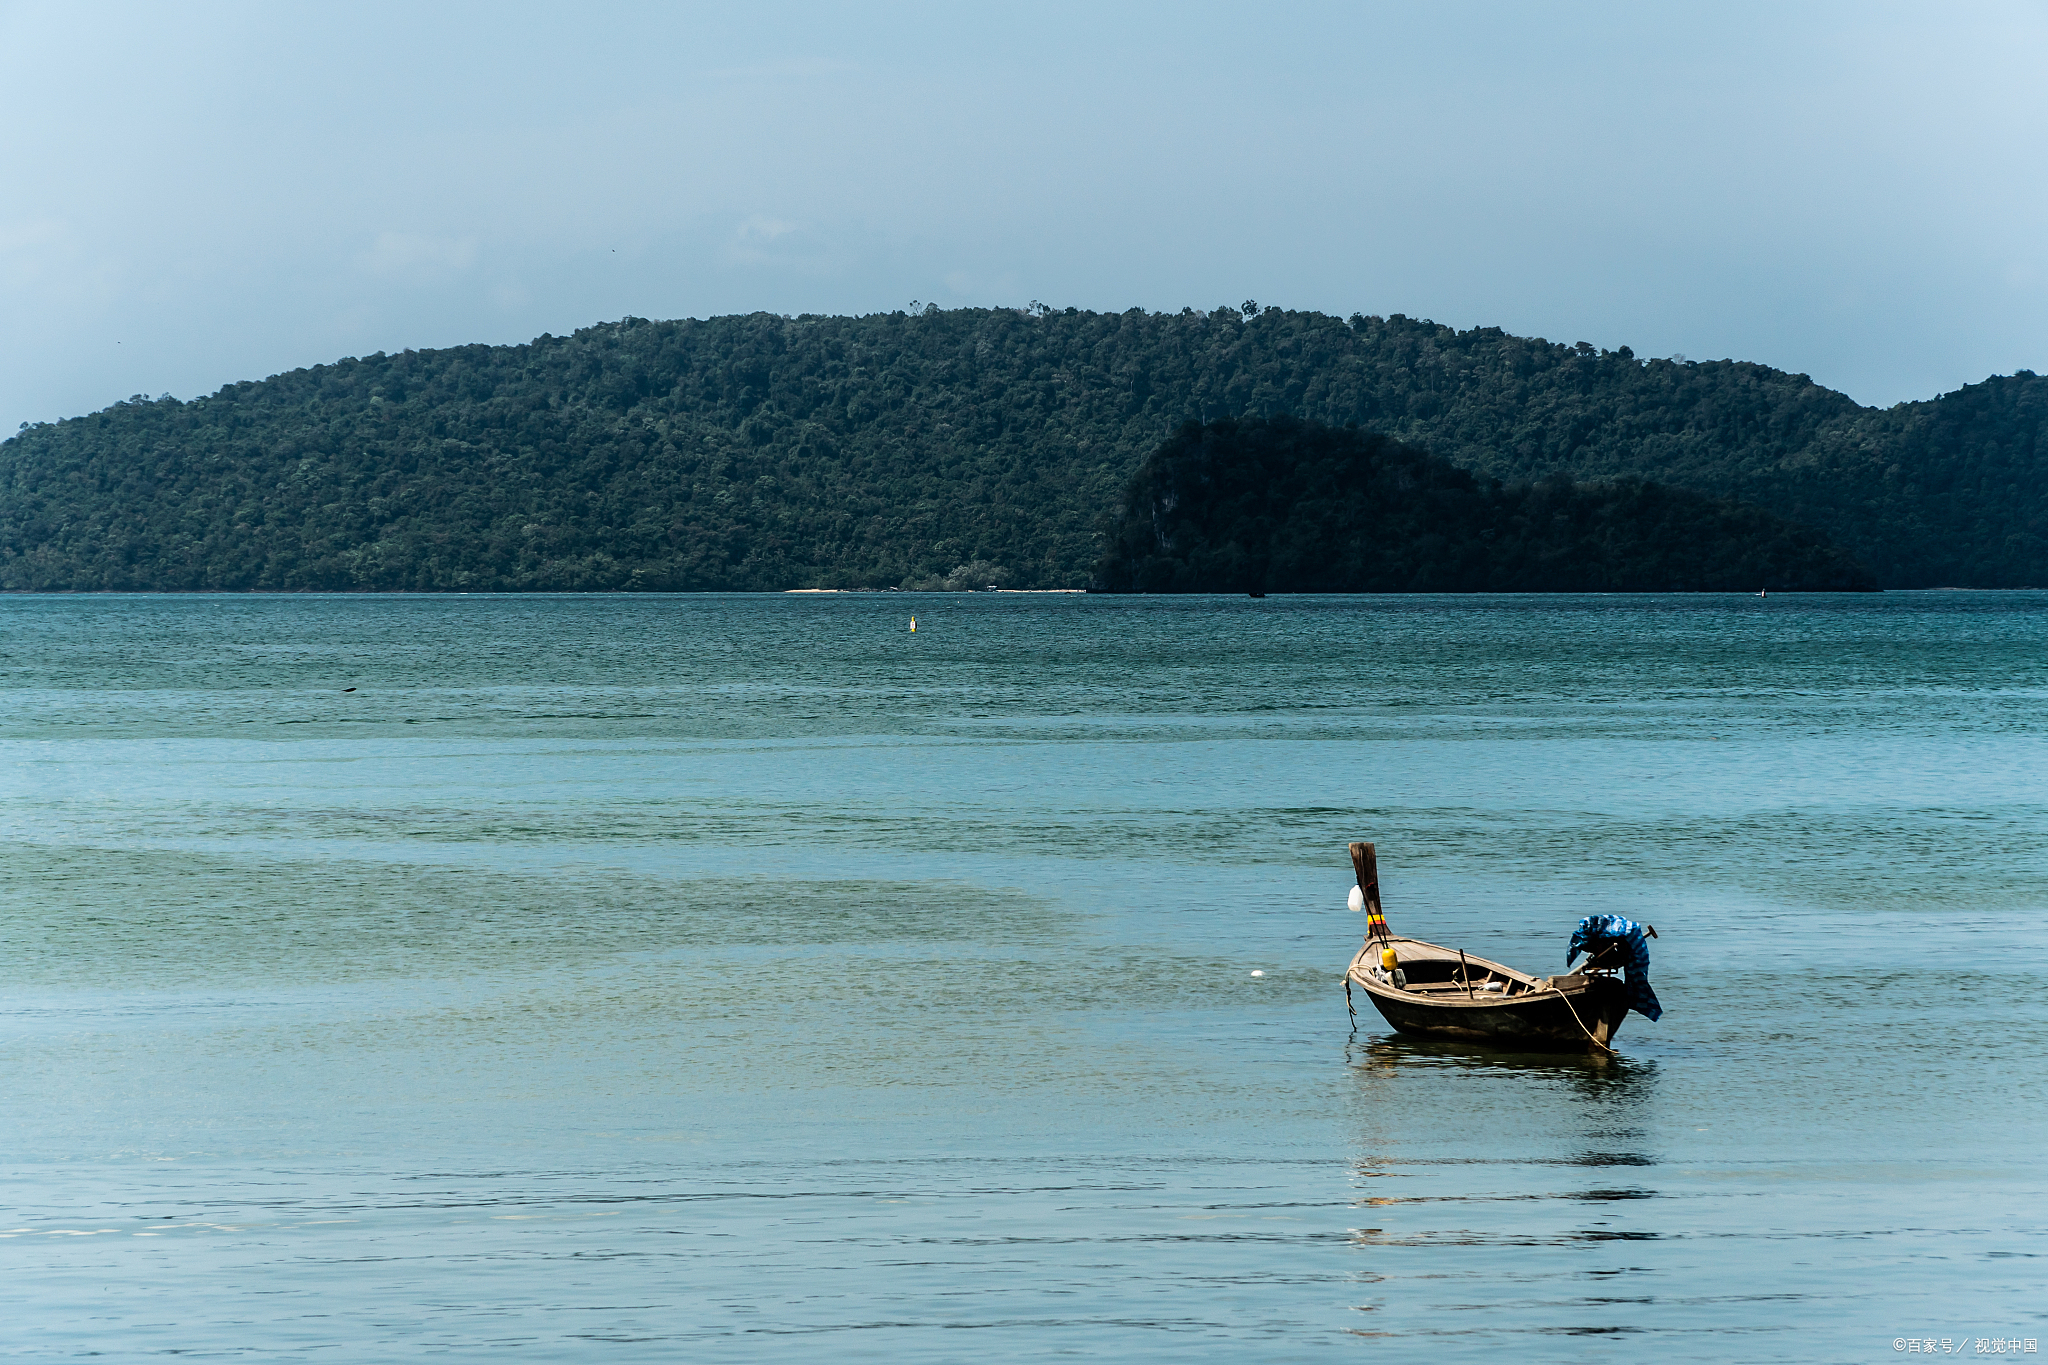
(1572, 1013)
(1542, 1023)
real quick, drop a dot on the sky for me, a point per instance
(199, 193)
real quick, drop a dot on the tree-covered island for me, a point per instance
(764, 452)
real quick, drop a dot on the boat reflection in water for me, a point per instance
(1480, 1164)
(1605, 1078)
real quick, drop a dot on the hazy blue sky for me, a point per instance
(191, 194)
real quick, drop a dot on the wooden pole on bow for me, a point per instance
(1368, 868)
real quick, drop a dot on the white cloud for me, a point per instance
(32, 252)
(417, 257)
(760, 240)
(44, 265)
(759, 229)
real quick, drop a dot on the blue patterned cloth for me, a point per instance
(1596, 932)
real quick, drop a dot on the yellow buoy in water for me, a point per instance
(913, 625)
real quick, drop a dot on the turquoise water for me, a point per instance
(736, 978)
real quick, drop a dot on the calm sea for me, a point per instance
(752, 979)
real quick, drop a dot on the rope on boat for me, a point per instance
(1582, 1024)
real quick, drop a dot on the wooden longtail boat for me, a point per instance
(1448, 993)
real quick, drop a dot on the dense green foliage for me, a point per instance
(771, 452)
(1280, 505)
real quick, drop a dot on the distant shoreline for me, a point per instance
(390, 593)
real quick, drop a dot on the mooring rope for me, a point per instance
(1582, 1023)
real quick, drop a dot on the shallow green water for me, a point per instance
(731, 978)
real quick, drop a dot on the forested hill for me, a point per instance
(1282, 505)
(771, 452)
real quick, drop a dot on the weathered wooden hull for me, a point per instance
(1570, 1013)
(1539, 1023)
